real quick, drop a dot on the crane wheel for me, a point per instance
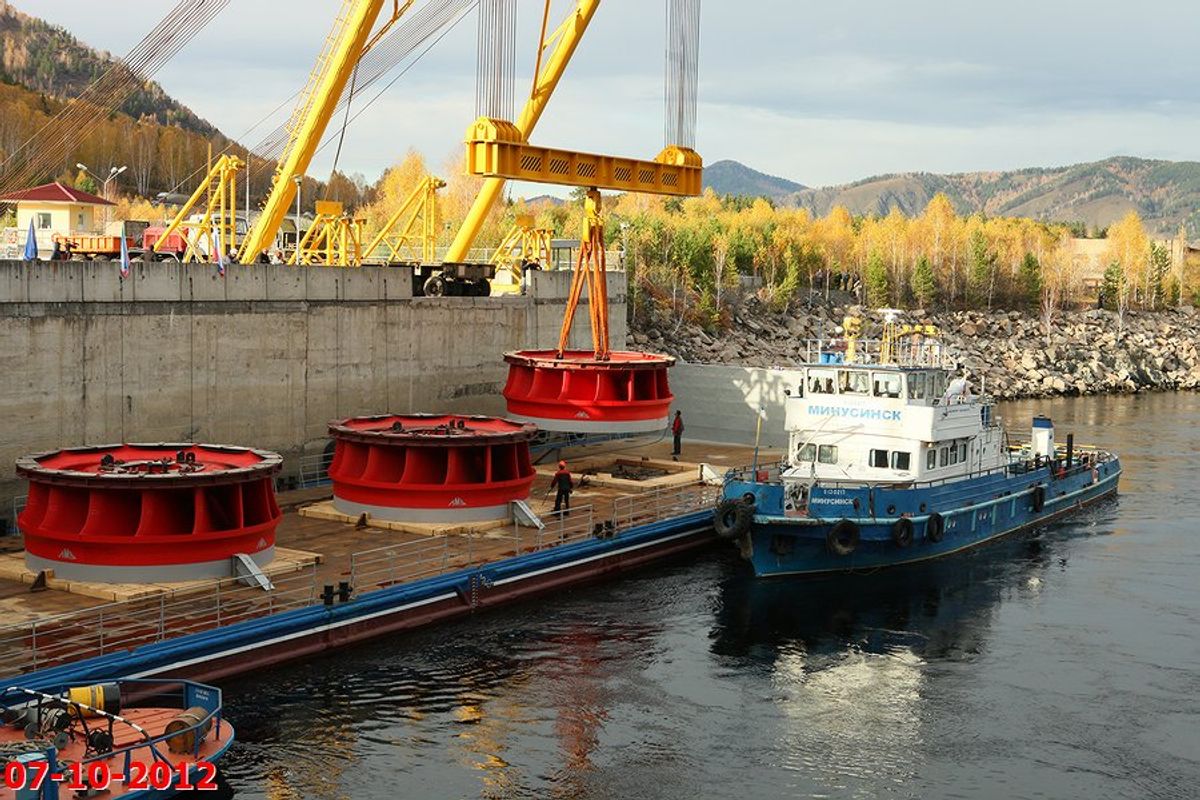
(436, 286)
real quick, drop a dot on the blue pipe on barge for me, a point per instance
(453, 594)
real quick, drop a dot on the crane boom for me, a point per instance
(347, 41)
(565, 40)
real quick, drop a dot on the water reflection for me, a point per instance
(853, 661)
(423, 702)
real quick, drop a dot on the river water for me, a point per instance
(1063, 664)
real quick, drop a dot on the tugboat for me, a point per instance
(143, 739)
(892, 459)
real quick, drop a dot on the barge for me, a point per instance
(339, 580)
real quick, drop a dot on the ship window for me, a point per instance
(827, 454)
(945, 456)
(887, 384)
(962, 451)
(879, 458)
(953, 454)
(854, 382)
(807, 452)
(916, 385)
(931, 458)
(820, 381)
(900, 460)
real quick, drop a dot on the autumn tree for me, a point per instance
(876, 281)
(1030, 280)
(924, 287)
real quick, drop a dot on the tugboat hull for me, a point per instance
(786, 545)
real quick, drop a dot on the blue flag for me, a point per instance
(124, 258)
(31, 252)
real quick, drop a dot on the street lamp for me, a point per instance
(113, 172)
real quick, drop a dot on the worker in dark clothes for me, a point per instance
(561, 482)
(677, 433)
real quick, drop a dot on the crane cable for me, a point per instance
(77, 119)
(682, 61)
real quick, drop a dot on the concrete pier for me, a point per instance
(264, 356)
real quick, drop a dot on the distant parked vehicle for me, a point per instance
(104, 247)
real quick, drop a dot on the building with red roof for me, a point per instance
(55, 209)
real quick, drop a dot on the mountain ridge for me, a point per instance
(1093, 194)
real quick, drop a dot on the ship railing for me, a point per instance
(127, 624)
(661, 503)
(314, 470)
(437, 555)
(767, 471)
(925, 352)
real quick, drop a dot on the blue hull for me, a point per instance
(973, 512)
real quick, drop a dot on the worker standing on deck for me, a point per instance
(561, 482)
(677, 433)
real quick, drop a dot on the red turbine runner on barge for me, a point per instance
(430, 467)
(148, 512)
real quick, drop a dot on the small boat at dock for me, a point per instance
(892, 459)
(130, 739)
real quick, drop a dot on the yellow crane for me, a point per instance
(217, 223)
(414, 241)
(523, 248)
(498, 150)
(348, 40)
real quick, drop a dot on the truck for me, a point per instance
(104, 246)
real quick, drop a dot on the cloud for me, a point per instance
(818, 92)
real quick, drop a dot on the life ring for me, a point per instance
(902, 532)
(935, 527)
(842, 539)
(1039, 498)
(732, 519)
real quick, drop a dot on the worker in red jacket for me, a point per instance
(677, 433)
(563, 485)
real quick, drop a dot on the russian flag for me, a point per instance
(124, 258)
(220, 255)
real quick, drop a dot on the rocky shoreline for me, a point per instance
(1007, 352)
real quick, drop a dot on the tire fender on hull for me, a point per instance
(935, 528)
(902, 532)
(732, 519)
(1039, 498)
(843, 538)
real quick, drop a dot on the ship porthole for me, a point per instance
(891, 510)
(922, 508)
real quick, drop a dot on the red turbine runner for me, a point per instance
(148, 512)
(430, 467)
(626, 393)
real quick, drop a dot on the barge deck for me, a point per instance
(632, 494)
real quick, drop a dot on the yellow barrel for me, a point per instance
(184, 740)
(104, 696)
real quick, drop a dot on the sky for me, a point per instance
(821, 93)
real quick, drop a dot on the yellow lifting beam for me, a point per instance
(347, 41)
(333, 240)
(496, 149)
(416, 240)
(564, 40)
(218, 191)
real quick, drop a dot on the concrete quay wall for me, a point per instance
(264, 356)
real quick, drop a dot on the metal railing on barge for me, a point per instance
(59, 639)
